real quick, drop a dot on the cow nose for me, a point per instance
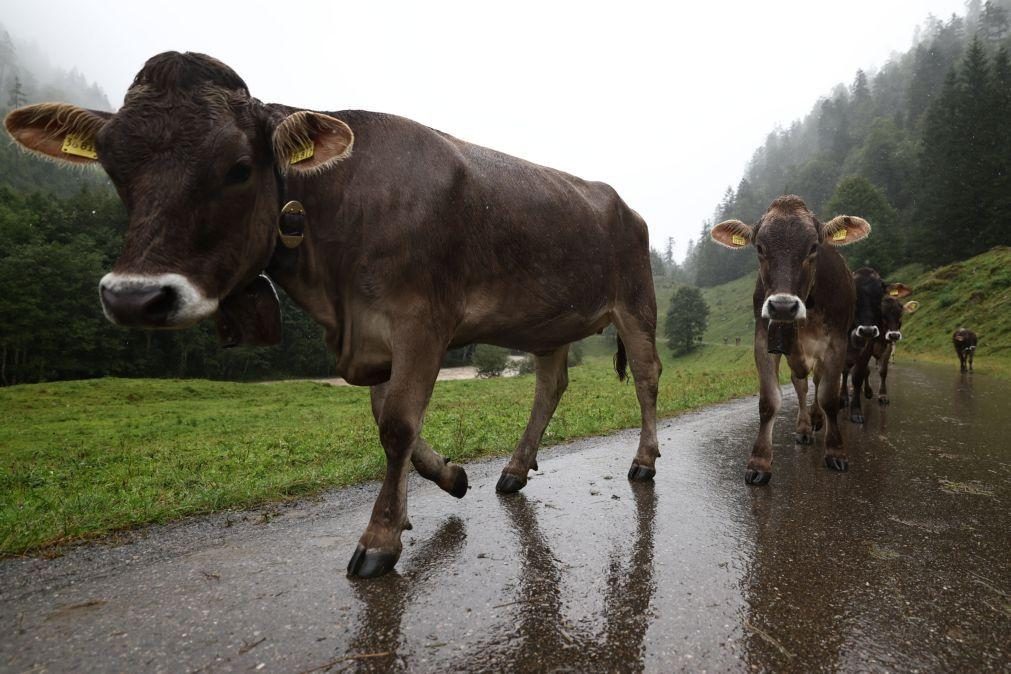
(783, 308)
(139, 306)
(868, 331)
(893, 335)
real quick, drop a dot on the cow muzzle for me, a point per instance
(862, 332)
(153, 300)
(893, 335)
(784, 307)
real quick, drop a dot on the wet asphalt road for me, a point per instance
(902, 564)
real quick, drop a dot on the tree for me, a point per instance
(882, 250)
(17, 96)
(687, 319)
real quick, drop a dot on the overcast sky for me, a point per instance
(666, 104)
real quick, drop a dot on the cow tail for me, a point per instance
(621, 361)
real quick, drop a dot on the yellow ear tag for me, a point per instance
(894, 293)
(79, 145)
(839, 235)
(738, 240)
(303, 153)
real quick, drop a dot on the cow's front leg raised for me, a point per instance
(429, 463)
(415, 368)
(769, 398)
(552, 380)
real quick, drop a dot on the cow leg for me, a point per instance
(552, 380)
(817, 414)
(804, 434)
(415, 368)
(759, 469)
(859, 374)
(639, 338)
(971, 355)
(844, 391)
(883, 374)
(961, 360)
(429, 463)
(828, 400)
(868, 393)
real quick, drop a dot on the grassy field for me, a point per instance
(79, 459)
(974, 294)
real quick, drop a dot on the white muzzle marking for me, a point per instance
(784, 297)
(893, 335)
(191, 303)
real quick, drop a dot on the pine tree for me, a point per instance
(17, 96)
(687, 318)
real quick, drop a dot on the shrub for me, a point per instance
(489, 360)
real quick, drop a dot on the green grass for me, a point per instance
(84, 458)
(974, 294)
(730, 312)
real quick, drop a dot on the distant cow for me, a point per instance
(965, 346)
(400, 240)
(803, 305)
(871, 333)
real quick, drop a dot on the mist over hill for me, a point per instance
(921, 148)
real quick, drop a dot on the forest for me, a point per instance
(921, 149)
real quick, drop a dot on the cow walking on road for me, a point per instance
(876, 327)
(803, 305)
(965, 346)
(400, 240)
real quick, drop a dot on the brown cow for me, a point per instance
(803, 304)
(964, 342)
(400, 240)
(883, 348)
(870, 333)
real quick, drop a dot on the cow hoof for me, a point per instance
(639, 473)
(804, 438)
(856, 417)
(459, 485)
(756, 477)
(371, 563)
(837, 463)
(883, 400)
(510, 484)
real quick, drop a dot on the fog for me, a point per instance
(666, 104)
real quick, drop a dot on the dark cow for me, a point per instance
(803, 305)
(965, 346)
(883, 349)
(870, 333)
(400, 240)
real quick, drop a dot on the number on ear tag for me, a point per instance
(303, 153)
(738, 240)
(839, 235)
(894, 292)
(79, 145)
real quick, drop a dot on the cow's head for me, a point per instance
(193, 157)
(892, 311)
(787, 239)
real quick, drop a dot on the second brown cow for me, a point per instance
(803, 305)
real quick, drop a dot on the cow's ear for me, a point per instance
(309, 142)
(898, 290)
(57, 131)
(843, 230)
(732, 234)
(911, 307)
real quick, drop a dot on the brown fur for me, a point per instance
(797, 257)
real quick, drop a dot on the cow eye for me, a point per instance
(239, 173)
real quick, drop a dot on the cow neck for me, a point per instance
(284, 259)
